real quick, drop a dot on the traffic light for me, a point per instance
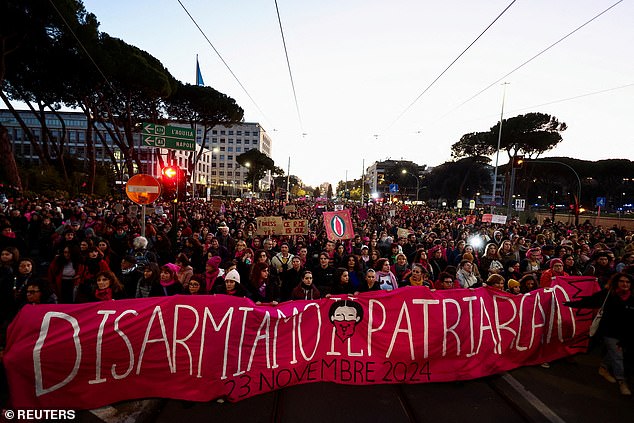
(170, 182)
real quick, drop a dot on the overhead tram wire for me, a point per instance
(290, 74)
(574, 97)
(450, 65)
(223, 61)
(527, 61)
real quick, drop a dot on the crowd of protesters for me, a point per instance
(92, 250)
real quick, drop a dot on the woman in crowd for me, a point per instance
(306, 290)
(556, 269)
(615, 327)
(533, 261)
(420, 257)
(185, 270)
(507, 253)
(195, 286)
(570, 265)
(149, 284)
(232, 285)
(107, 287)
(491, 262)
(400, 269)
(465, 275)
(291, 278)
(496, 281)
(370, 282)
(212, 274)
(355, 273)
(528, 283)
(38, 292)
(64, 273)
(342, 283)
(446, 281)
(385, 278)
(437, 261)
(514, 287)
(262, 285)
(93, 265)
(169, 283)
(418, 276)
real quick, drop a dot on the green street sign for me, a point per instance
(170, 137)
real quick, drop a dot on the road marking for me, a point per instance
(546, 411)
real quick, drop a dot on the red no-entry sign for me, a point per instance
(143, 189)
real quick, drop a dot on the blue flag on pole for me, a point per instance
(199, 76)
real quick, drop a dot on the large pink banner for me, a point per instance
(203, 347)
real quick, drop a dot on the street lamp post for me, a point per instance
(578, 201)
(404, 172)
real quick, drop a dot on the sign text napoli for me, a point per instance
(170, 137)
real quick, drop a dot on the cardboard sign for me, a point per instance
(269, 225)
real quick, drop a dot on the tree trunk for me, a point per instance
(27, 131)
(11, 174)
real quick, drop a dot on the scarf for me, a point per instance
(104, 294)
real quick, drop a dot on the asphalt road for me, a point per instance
(569, 391)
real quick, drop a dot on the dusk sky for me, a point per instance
(358, 67)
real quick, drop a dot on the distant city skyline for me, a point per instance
(358, 65)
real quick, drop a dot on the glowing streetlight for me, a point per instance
(404, 172)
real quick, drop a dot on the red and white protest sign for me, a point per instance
(203, 347)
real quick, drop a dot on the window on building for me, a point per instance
(247, 142)
(222, 148)
(230, 149)
(247, 133)
(222, 132)
(222, 157)
(238, 149)
(213, 173)
(229, 173)
(221, 173)
(214, 139)
(230, 157)
(222, 165)
(238, 132)
(230, 132)
(222, 140)
(239, 141)
(213, 164)
(230, 140)
(214, 132)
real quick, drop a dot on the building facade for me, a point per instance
(217, 172)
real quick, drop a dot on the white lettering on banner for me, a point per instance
(98, 378)
(37, 352)
(501, 323)
(182, 341)
(128, 345)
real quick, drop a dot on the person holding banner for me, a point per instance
(616, 327)
(386, 279)
(323, 274)
(419, 276)
(169, 282)
(306, 290)
(107, 287)
(342, 283)
(370, 283)
(263, 286)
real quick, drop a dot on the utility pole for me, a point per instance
(497, 154)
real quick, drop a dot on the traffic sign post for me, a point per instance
(143, 189)
(170, 137)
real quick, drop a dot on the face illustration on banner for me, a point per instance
(345, 316)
